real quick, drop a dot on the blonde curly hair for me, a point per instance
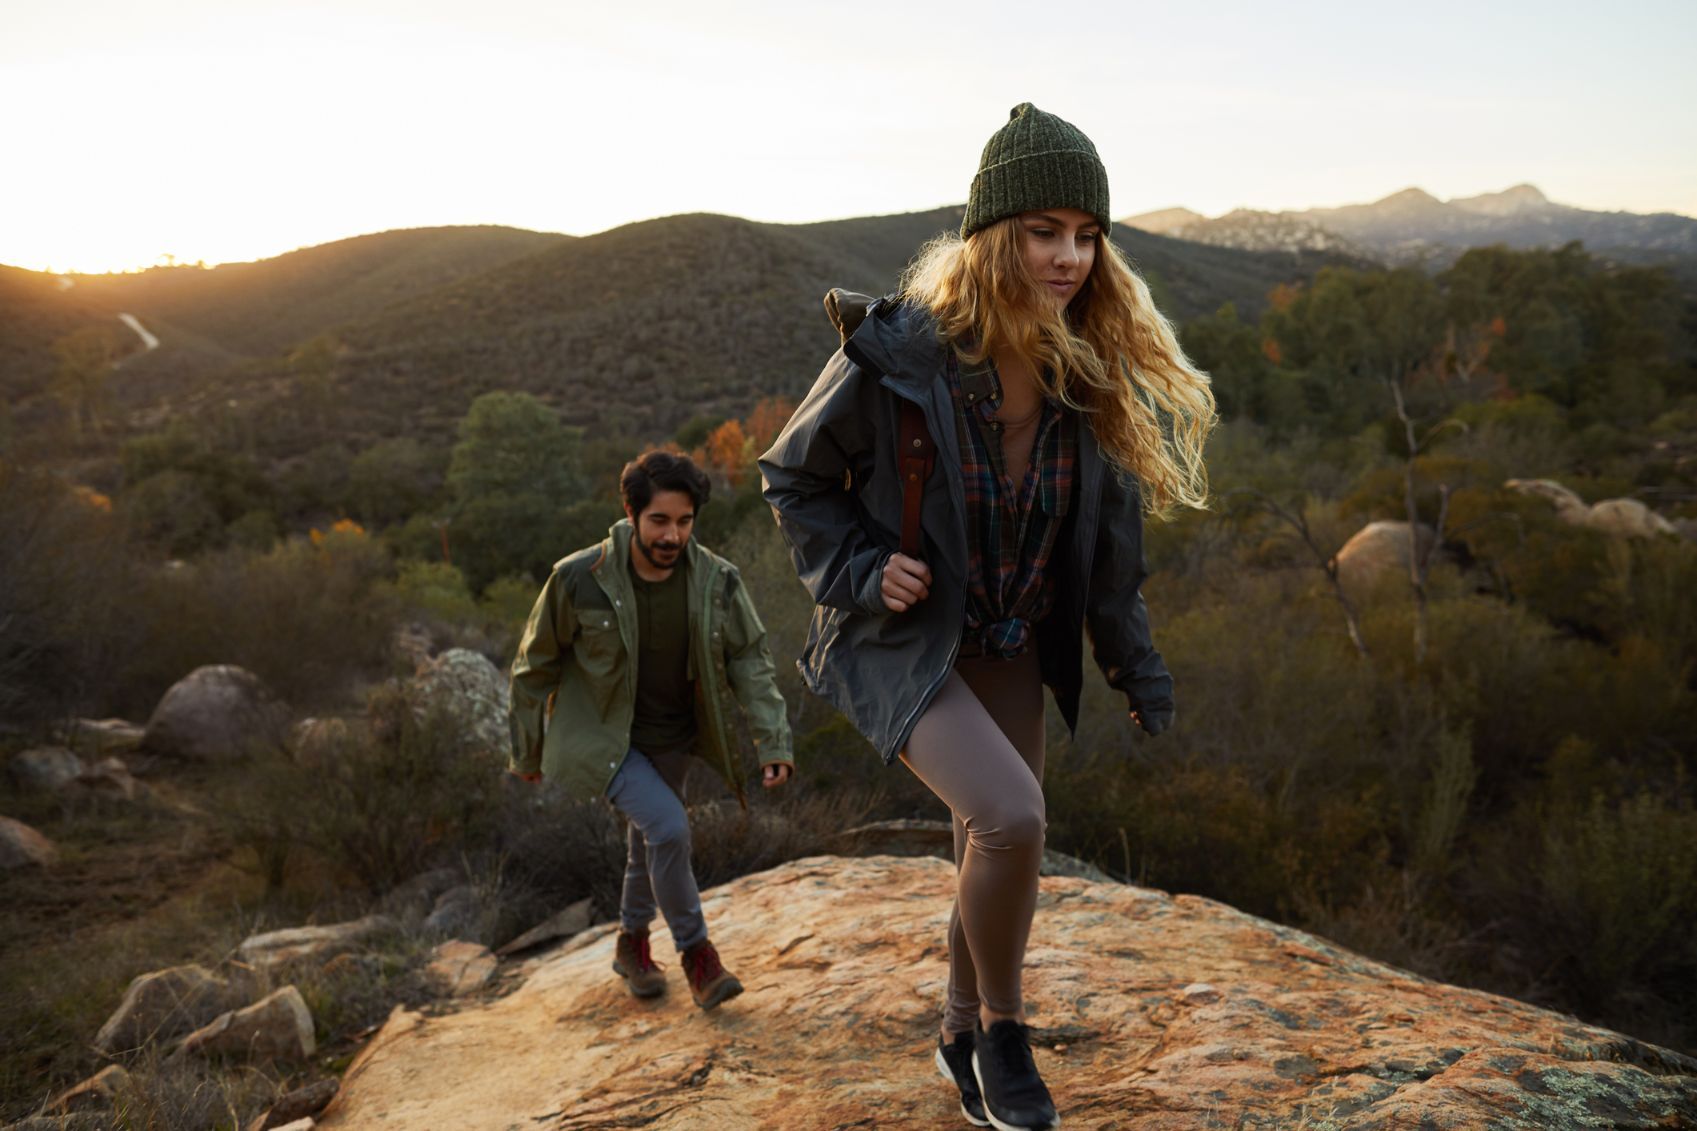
(1110, 355)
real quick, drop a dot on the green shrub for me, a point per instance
(310, 620)
(373, 804)
(1592, 903)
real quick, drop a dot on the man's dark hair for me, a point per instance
(662, 471)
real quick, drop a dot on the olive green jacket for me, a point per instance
(574, 684)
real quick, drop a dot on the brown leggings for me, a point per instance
(979, 747)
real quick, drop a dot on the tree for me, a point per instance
(393, 480)
(512, 443)
(512, 478)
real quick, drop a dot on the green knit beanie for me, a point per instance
(1036, 161)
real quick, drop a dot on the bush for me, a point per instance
(310, 620)
(67, 587)
(372, 803)
(1593, 904)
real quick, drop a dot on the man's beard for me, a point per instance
(672, 549)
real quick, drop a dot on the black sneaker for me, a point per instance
(1014, 1096)
(954, 1061)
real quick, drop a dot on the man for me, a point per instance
(628, 666)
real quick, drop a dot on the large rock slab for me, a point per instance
(276, 1027)
(164, 1004)
(45, 768)
(23, 847)
(273, 949)
(215, 713)
(474, 694)
(1153, 1012)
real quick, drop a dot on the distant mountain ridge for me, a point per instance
(1415, 226)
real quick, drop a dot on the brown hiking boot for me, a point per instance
(633, 962)
(709, 982)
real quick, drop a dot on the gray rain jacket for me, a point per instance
(831, 477)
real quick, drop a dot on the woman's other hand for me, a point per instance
(907, 581)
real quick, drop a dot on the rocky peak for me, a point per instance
(1148, 1010)
(1509, 202)
(1164, 221)
(1409, 200)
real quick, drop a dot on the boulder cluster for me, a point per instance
(253, 1008)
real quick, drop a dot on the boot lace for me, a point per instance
(703, 964)
(642, 956)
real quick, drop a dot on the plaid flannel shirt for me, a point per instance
(1011, 529)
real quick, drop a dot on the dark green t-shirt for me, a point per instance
(665, 695)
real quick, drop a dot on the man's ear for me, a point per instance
(630, 514)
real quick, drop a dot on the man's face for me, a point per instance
(663, 527)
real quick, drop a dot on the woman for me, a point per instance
(1061, 407)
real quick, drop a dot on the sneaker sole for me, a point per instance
(943, 1067)
(998, 1124)
(631, 986)
(726, 991)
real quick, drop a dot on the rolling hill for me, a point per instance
(633, 330)
(266, 307)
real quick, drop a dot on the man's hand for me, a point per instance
(775, 773)
(907, 581)
(531, 778)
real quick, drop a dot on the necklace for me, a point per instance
(1022, 421)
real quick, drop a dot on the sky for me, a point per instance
(221, 130)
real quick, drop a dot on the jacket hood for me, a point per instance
(898, 339)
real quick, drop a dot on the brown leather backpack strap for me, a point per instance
(917, 456)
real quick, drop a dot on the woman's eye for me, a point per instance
(1087, 237)
(1041, 233)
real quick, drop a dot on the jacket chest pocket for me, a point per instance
(600, 653)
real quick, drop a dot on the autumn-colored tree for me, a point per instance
(729, 452)
(767, 420)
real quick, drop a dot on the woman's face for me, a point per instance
(1060, 248)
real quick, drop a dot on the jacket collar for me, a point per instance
(899, 340)
(616, 552)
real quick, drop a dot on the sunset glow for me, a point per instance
(217, 132)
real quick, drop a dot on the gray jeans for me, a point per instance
(649, 792)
